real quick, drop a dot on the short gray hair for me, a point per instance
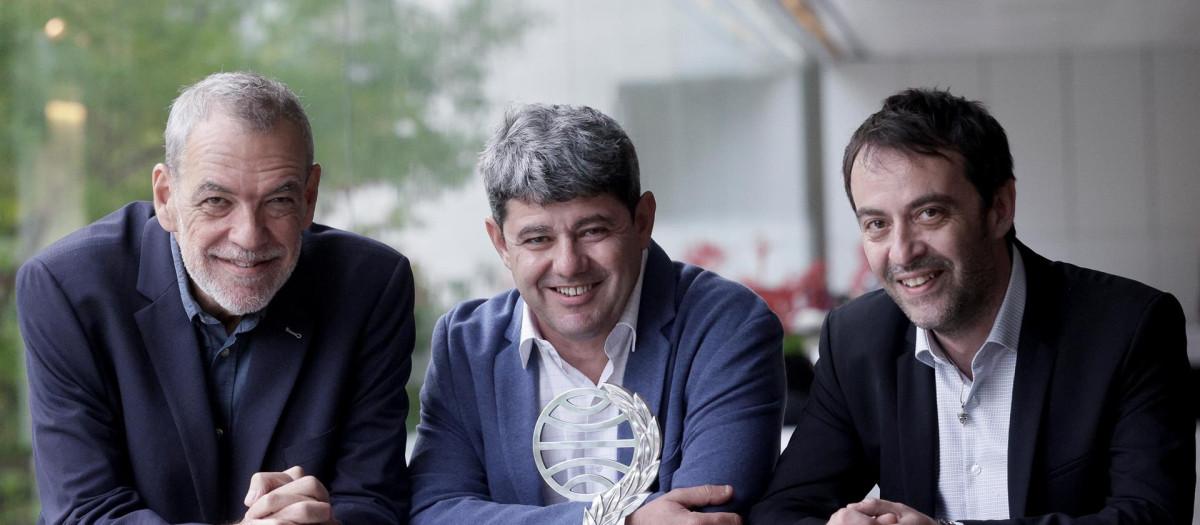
(543, 154)
(256, 101)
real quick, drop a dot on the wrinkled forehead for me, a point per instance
(283, 137)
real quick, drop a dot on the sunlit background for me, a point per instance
(739, 110)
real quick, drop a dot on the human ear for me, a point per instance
(164, 192)
(496, 234)
(643, 218)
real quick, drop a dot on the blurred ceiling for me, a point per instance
(882, 29)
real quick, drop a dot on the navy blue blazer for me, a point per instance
(1100, 431)
(122, 428)
(708, 362)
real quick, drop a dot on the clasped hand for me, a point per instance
(873, 511)
(287, 497)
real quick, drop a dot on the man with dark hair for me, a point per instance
(184, 352)
(596, 301)
(984, 383)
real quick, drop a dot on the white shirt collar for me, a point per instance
(624, 330)
(1006, 329)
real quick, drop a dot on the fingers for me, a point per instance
(889, 512)
(887, 519)
(715, 518)
(304, 489)
(305, 512)
(849, 516)
(700, 496)
(265, 482)
(876, 506)
(673, 508)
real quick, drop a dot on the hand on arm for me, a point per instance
(675, 507)
(289, 497)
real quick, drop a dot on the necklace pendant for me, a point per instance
(962, 417)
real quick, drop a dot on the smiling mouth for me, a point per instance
(246, 264)
(914, 282)
(572, 291)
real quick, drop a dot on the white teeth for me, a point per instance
(244, 264)
(572, 291)
(916, 281)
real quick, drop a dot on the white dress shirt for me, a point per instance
(556, 376)
(973, 415)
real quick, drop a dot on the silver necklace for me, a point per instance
(962, 403)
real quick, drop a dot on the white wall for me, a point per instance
(1108, 171)
(713, 107)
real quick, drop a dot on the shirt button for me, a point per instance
(224, 352)
(220, 432)
(976, 469)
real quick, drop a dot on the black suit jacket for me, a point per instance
(1099, 430)
(122, 429)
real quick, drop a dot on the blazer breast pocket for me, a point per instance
(1076, 486)
(313, 454)
(1071, 467)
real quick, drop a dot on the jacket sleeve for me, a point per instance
(733, 401)
(78, 436)
(450, 478)
(371, 484)
(1152, 452)
(824, 465)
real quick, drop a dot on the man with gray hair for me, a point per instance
(214, 355)
(596, 301)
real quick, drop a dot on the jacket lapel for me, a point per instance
(516, 418)
(1035, 366)
(916, 422)
(276, 351)
(173, 350)
(646, 370)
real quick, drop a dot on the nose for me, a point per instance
(248, 229)
(571, 258)
(906, 245)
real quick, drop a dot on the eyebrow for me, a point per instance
(209, 186)
(212, 187)
(287, 187)
(928, 198)
(529, 230)
(589, 220)
(544, 229)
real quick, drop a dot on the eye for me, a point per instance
(215, 201)
(536, 241)
(930, 213)
(873, 225)
(595, 232)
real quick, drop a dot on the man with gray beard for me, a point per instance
(215, 356)
(984, 383)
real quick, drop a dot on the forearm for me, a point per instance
(824, 466)
(78, 443)
(734, 412)
(371, 483)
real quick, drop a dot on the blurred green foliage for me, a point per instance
(393, 89)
